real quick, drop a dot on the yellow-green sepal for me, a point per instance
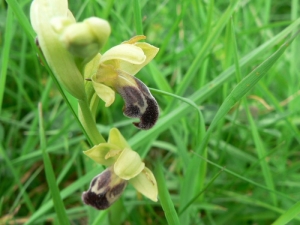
(99, 153)
(145, 183)
(116, 138)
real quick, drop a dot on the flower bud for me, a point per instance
(85, 39)
(61, 62)
(100, 28)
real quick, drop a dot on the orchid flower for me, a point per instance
(123, 166)
(116, 71)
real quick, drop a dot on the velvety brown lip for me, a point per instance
(139, 103)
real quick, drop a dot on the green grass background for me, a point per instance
(226, 148)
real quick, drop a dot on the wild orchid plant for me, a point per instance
(71, 50)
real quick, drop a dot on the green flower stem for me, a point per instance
(92, 97)
(86, 110)
(88, 123)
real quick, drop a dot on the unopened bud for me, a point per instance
(85, 39)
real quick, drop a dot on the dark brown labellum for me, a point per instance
(139, 103)
(104, 190)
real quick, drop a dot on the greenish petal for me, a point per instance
(80, 41)
(34, 15)
(71, 16)
(145, 183)
(128, 164)
(113, 153)
(134, 39)
(106, 74)
(124, 52)
(55, 8)
(92, 66)
(104, 92)
(100, 28)
(60, 23)
(58, 7)
(85, 39)
(116, 138)
(98, 153)
(150, 52)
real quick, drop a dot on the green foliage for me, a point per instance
(228, 58)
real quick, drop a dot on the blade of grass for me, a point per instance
(200, 192)
(138, 17)
(243, 87)
(289, 215)
(228, 48)
(191, 183)
(261, 152)
(182, 149)
(22, 18)
(37, 153)
(244, 199)
(28, 182)
(164, 196)
(260, 149)
(235, 51)
(205, 48)
(1, 205)
(31, 141)
(239, 154)
(246, 179)
(171, 31)
(267, 7)
(269, 95)
(201, 126)
(101, 218)
(57, 200)
(5, 53)
(173, 116)
(194, 180)
(210, 12)
(64, 193)
(63, 173)
(160, 81)
(17, 179)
